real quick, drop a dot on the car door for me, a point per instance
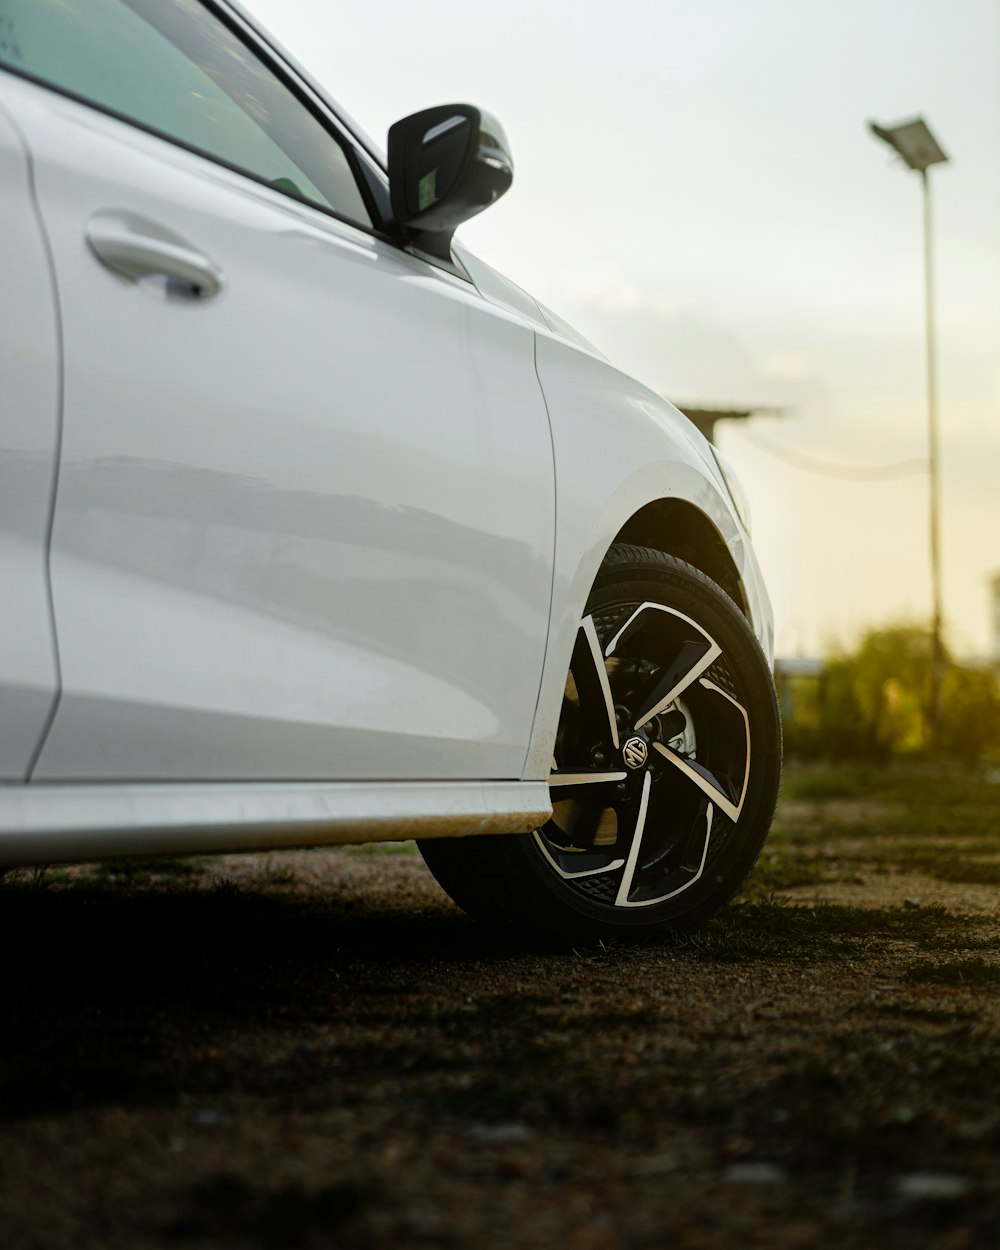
(306, 504)
(29, 413)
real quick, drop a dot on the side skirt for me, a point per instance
(53, 823)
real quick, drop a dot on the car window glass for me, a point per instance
(174, 67)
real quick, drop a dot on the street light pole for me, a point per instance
(913, 141)
(934, 489)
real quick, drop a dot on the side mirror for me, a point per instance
(445, 165)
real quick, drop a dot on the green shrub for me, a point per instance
(873, 703)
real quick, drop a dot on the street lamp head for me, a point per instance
(913, 141)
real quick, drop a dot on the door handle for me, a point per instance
(135, 247)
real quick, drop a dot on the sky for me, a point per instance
(696, 190)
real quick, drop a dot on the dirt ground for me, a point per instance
(316, 1049)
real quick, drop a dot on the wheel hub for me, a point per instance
(635, 751)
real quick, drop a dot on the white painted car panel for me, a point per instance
(304, 527)
(29, 415)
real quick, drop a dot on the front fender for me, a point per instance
(617, 442)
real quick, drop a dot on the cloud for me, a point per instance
(670, 348)
(786, 366)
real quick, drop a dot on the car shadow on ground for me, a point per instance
(141, 995)
(109, 991)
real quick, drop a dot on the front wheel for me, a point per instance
(665, 772)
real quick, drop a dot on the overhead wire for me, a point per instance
(830, 468)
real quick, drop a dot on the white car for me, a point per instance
(306, 513)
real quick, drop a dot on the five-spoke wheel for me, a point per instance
(665, 770)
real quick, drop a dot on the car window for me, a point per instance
(174, 67)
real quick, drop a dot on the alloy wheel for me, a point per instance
(652, 758)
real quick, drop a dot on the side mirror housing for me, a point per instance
(445, 165)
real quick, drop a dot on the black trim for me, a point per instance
(374, 189)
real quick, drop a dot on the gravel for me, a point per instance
(316, 1049)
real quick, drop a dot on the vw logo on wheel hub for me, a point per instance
(635, 752)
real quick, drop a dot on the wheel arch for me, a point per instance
(675, 525)
(679, 529)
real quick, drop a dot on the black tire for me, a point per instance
(659, 814)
